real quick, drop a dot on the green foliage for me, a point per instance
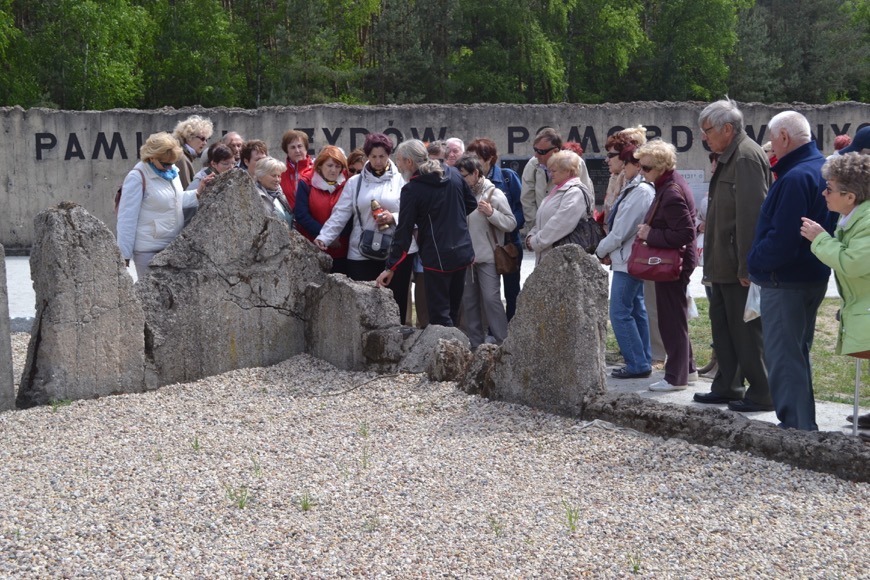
(98, 54)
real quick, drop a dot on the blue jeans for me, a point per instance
(788, 323)
(629, 321)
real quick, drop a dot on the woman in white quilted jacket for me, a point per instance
(151, 208)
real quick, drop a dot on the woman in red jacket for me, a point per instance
(314, 203)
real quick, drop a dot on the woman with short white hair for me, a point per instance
(268, 175)
(566, 204)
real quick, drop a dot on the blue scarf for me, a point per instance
(167, 174)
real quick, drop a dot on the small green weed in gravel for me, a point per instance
(572, 516)
(306, 502)
(258, 469)
(634, 561)
(195, 444)
(496, 526)
(58, 403)
(238, 495)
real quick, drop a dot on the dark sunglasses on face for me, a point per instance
(646, 168)
(611, 155)
(543, 151)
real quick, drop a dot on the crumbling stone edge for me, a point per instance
(822, 451)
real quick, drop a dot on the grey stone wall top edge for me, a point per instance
(341, 106)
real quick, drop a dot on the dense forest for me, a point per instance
(101, 54)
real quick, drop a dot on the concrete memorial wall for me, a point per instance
(52, 156)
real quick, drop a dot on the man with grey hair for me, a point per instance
(793, 281)
(455, 149)
(736, 193)
(234, 141)
(437, 202)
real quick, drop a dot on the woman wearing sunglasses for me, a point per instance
(670, 223)
(193, 134)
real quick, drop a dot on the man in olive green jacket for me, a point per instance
(737, 190)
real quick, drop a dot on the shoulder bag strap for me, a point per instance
(356, 200)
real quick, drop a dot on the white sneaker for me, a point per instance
(663, 386)
(693, 378)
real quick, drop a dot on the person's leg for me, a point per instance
(638, 312)
(420, 299)
(141, 261)
(364, 270)
(788, 326)
(674, 326)
(438, 297)
(472, 321)
(512, 288)
(623, 293)
(657, 346)
(456, 286)
(725, 383)
(401, 284)
(489, 286)
(747, 345)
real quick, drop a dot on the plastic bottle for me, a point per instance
(378, 211)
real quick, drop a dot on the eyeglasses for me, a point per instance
(707, 130)
(829, 191)
(646, 168)
(201, 138)
(543, 151)
(464, 174)
(611, 154)
(352, 171)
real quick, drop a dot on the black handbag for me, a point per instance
(373, 244)
(588, 233)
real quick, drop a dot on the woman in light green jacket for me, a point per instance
(847, 252)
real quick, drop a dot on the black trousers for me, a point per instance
(444, 296)
(368, 270)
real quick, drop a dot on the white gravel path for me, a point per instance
(400, 478)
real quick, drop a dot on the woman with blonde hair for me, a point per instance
(150, 211)
(193, 134)
(670, 223)
(565, 205)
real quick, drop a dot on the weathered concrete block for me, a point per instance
(450, 360)
(422, 353)
(383, 348)
(340, 316)
(477, 379)
(830, 452)
(228, 292)
(553, 357)
(7, 382)
(87, 338)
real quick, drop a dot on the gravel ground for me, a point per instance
(301, 470)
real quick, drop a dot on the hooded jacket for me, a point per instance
(439, 205)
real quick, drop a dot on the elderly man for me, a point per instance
(234, 141)
(536, 179)
(793, 281)
(736, 193)
(455, 148)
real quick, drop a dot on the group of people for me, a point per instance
(437, 213)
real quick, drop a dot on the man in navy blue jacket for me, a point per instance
(792, 280)
(438, 202)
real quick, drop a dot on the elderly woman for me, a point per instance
(847, 252)
(670, 223)
(299, 165)
(564, 206)
(628, 316)
(314, 203)
(380, 181)
(268, 175)
(150, 211)
(487, 226)
(193, 134)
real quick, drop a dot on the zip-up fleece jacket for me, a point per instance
(439, 206)
(780, 256)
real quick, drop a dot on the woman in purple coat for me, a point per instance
(670, 223)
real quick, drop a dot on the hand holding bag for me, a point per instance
(506, 256)
(373, 244)
(588, 233)
(655, 264)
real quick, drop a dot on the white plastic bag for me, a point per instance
(753, 303)
(692, 308)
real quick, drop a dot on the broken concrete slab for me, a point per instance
(7, 381)
(553, 357)
(228, 293)
(421, 357)
(352, 324)
(87, 339)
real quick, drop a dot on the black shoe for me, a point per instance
(713, 399)
(624, 374)
(863, 420)
(747, 406)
